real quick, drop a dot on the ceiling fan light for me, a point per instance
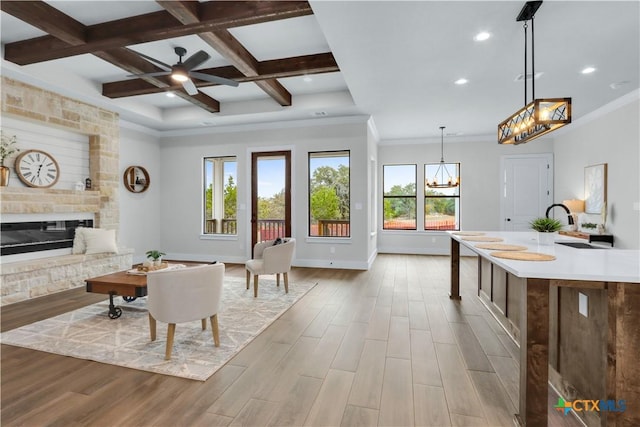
(179, 76)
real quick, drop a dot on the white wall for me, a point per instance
(613, 138)
(168, 215)
(140, 225)
(479, 191)
(181, 192)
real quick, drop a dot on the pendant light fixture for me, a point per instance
(540, 116)
(439, 180)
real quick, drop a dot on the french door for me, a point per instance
(270, 195)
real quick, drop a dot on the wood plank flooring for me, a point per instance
(364, 348)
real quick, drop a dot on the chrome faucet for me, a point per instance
(570, 217)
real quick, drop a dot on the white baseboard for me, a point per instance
(325, 263)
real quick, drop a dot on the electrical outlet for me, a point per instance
(583, 304)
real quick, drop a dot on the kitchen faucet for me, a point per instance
(570, 217)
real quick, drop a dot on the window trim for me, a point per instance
(223, 159)
(309, 221)
(415, 197)
(443, 196)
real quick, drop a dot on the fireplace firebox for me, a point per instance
(36, 236)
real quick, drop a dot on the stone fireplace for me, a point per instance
(27, 279)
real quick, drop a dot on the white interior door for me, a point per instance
(527, 189)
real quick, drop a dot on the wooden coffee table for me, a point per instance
(128, 286)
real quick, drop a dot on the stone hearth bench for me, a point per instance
(23, 280)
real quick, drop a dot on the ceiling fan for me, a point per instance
(181, 72)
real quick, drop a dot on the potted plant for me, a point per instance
(155, 256)
(546, 228)
(7, 148)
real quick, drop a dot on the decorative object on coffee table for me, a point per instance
(155, 256)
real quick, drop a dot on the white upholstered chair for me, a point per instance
(271, 259)
(185, 295)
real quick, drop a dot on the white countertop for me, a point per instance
(609, 264)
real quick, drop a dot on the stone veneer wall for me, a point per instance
(28, 279)
(23, 280)
(30, 103)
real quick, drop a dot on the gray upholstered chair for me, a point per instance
(271, 259)
(185, 295)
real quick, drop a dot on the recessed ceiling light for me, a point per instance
(461, 81)
(171, 95)
(482, 36)
(588, 70)
(307, 79)
(619, 84)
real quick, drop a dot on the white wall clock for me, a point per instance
(37, 168)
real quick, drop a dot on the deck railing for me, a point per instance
(333, 228)
(269, 229)
(228, 226)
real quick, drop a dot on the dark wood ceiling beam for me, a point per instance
(48, 19)
(272, 69)
(214, 15)
(229, 47)
(63, 26)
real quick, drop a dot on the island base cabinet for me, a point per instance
(591, 357)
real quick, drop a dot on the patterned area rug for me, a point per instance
(88, 333)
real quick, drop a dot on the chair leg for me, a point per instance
(255, 286)
(171, 331)
(248, 278)
(214, 329)
(204, 324)
(152, 327)
(286, 283)
(278, 279)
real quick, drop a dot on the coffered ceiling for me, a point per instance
(396, 61)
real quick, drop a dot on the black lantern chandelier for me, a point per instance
(540, 116)
(439, 180)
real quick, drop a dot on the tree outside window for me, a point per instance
(399, 197)
(329, 197)
(220, 195)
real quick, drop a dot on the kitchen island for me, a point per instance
(614, 272)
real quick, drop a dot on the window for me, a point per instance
(220, 195)
(442, 205)
(329, 198)
(399, 197)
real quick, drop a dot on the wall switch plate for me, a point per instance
(583, 304)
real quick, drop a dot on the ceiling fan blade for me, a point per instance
(190, 87)
(156, 74)
(213, 79)
(162, 64)
(196, 59)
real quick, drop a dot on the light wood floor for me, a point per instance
(381, 347)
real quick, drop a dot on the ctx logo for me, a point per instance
(590, 405)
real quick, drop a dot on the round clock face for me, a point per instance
(37, 169)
